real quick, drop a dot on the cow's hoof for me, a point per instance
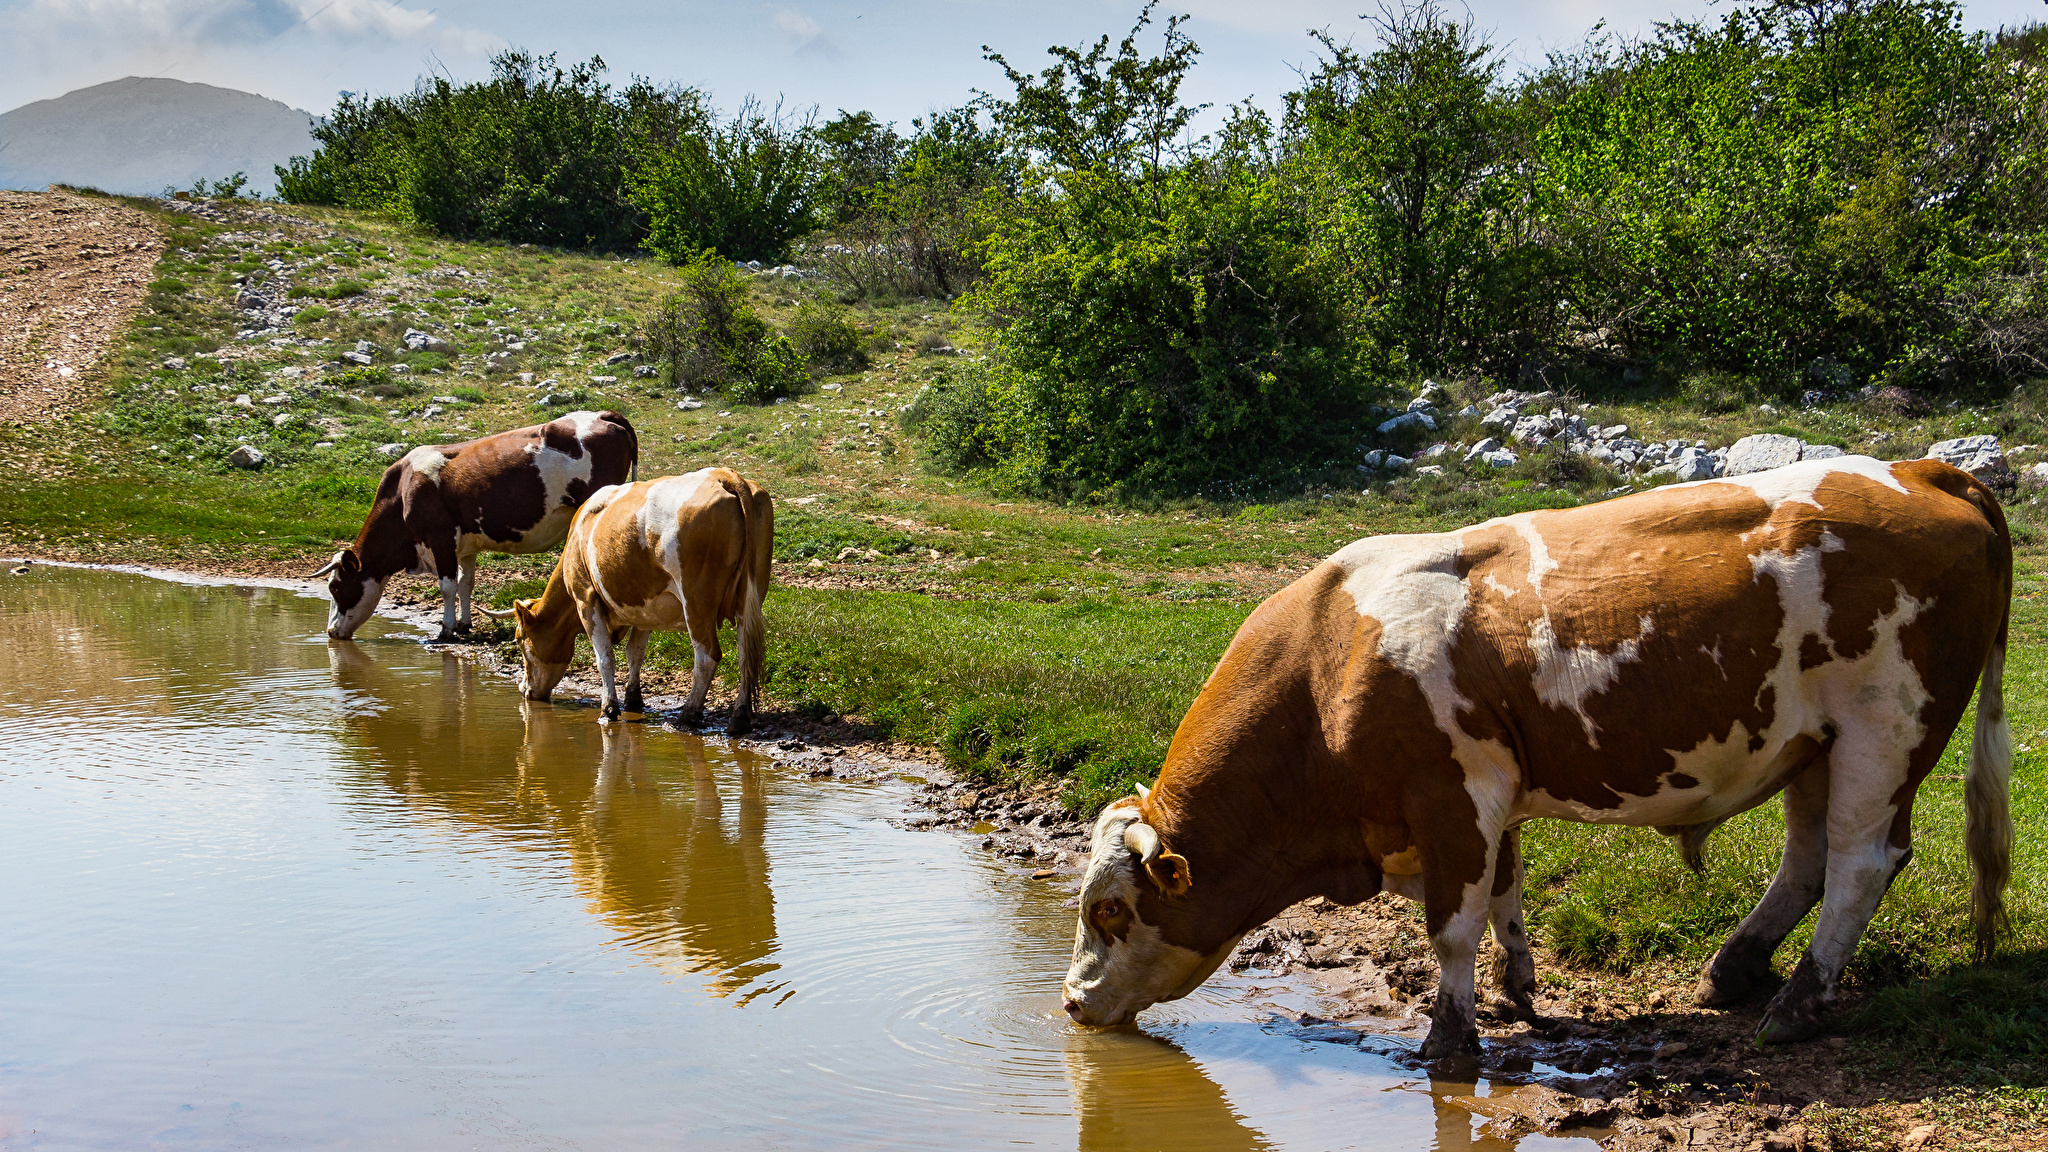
(1507, 1010)
(741, 723)
(446, 637)
(1723, 984)
(1787, 1026)
(1445, 1042)
(635, 704)
(611, 712)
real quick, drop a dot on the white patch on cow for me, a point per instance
(1540, 563)
(1410, 584)
(558, 470)
(428, 462)
(1797, 483)
(584, 422)
(1493, 582)
(1566, 677)
(1715, 652)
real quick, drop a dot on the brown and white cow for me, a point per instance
(1668, 659)
(441, 506)
(680, 554)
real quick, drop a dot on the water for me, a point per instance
(262, 889)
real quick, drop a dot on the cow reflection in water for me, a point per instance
(1138, 1093)
(1134, 1092)
(680, 883)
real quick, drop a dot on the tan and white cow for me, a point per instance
(680, 554)
(441, 506)
(1668, 659)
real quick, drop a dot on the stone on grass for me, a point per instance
(1430, 470)
(689, 405)
(356, 357)
(1762, 452)
(1980, 456)
(246, 456)
(2038, 474)
(1820, 452)
(1500, 458)
(394, 451)
(1408, 420)
(1480, 449)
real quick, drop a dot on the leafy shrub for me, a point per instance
(708, 336)
(827, 338)
(745, 188)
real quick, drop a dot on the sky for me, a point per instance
(896, 59)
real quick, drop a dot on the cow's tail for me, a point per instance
(750, 586)
(1987, 790)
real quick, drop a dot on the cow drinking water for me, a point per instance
(681, 553)
(440, 506)
(1669, 659)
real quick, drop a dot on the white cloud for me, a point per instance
(803, 34)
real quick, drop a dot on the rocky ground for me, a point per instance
(1517, 424)
(73, 269)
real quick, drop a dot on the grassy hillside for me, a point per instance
(1022, 637)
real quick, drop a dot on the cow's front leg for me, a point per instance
(1456, 907)
(465, 586)
(600, 632)
(636, 654)
(1514, 970)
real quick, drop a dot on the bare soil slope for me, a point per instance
(73, 270)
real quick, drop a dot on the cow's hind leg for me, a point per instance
(636, 655)
(1743, 964)
(1862, 859)
(701, 671)
(600, 632)
(1514, 969)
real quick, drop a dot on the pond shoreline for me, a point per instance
(1639, 1065)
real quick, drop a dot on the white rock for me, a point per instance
(689, 405)
(1396, 463)
(243, 401)
(1761, 453)
(356, 357)
(1408, 420)
(1962, 448)
(1430, 470)
(291, 373)
(2038, 474)
(175, 363)
(1373, 460)
(828, 387)
(280, 398)
(400, 369)
(324, 444)
(246, 456)
(446, 399)
(1692, 464)
(432, 411)
(394, 451)
(1820, 452)
(1481, 449)
(1420, 404)
(1500, 458)
(1502, 417)
(281, 419)
(1469, 411)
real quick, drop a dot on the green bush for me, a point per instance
(745, 188)
(709, 336)
(827, 339)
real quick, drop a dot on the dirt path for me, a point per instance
(73, 269)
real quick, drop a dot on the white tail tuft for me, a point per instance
(1987, 793)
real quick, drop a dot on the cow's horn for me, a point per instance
(1139, 837)
(1144, 792)
(498, 614)
(331, 566)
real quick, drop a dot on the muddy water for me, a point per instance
(262, 889)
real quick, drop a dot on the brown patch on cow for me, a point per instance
(560, 435)
(1112, 918)
(1681, 780)
(1813, 652)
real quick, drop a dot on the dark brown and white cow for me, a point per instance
(681, 554)
(1669, 659)
(442, 505)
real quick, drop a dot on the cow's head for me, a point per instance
(544, 654)
(355, 594)
(1140, 939)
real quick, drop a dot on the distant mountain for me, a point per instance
(139, 134)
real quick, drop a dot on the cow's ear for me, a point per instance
(350, 562)
(524, 609)
(1170, 873)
